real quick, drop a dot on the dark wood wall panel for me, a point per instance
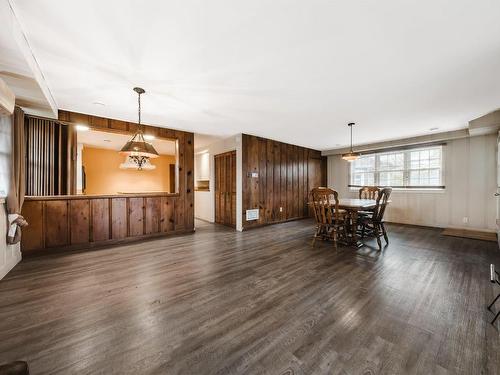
(79, 221)
(33, 213)
(153, 215)
(286, 173)
(98, 220)
(136, 216)
(167, 214)
(56, 223)
(119, 217)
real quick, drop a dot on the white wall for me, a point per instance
(470, 179)
(10, 255)
(204, 202)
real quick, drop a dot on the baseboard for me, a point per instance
(468, 233)
(11, 261)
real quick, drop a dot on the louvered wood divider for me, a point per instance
(49, 146)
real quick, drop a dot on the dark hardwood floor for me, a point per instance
(258, 302)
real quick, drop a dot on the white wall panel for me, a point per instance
(470, 179)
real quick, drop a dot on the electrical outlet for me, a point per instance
(465, 220)
(281, 209)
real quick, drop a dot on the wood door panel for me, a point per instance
(100, 219)
(79, 221)
(56, 223)
(225, 188)
(119, 218)
(136, 216)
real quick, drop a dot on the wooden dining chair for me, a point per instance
(330, 220)
(369, 192)
(373, 223)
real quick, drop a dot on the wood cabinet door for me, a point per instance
(225, 188)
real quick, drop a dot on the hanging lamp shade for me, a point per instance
(137, 149)
(137, 146)
(351, 155)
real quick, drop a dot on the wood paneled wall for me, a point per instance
(283, 176)
(84, 221)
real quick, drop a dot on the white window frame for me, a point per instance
(406, 171)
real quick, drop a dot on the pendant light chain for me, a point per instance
(351, 136)
(139, 102)
(351, 155)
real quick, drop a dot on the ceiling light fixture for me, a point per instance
(351, 155)
(129, 163)
(137, 149)
(81, 128)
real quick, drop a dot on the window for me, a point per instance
(411, 168)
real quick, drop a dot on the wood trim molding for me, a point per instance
(7, 99)
(430, 138)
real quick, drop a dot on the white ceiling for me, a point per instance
(115, 141)
(295, 71)
(14, 69)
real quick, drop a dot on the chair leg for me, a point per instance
(363, 228)
(496, 317)
(316, 234)
(377, 234)
(493, 302)
(385, 233)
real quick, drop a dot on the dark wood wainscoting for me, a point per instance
(80, 221)
(277, 178)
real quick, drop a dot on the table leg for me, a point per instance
(354, 227)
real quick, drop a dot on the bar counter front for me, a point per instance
(85, 221)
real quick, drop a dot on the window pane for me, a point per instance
(414, 178)
(415, 167)
(435, 153)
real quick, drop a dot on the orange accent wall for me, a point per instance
(104, 176)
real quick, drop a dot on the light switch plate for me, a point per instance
(252, 214)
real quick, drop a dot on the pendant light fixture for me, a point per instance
(137, 149)
(351, 155)
(129, 163)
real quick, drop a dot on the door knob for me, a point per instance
(497, 194)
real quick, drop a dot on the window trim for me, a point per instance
(406, 169)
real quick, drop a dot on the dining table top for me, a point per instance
(356, 203)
